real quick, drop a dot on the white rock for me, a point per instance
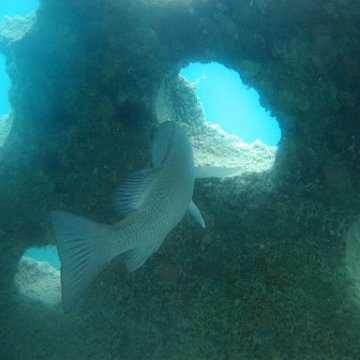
(214, 147)
(38, 281)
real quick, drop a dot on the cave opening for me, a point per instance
(46, 253)
(11, 8)
(231, 104)
(38, 276)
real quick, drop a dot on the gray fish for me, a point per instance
(153, 201)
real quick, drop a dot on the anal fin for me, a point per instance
(135, 258)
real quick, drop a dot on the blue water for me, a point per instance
(11, 8)
(17, 7)
(48, 253)
(228, 102)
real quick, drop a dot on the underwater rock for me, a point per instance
(14, 28)
(214, 147)
(38, 281)
(176, 101)
(267, 278)
(353, 259)
(5, 127)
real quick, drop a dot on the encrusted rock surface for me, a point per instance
(267, 278)
(5, 127)
(37, 281)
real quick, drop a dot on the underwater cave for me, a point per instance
(274, 273)
(227, 102)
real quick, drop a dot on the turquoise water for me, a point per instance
(48, 253)
(11, 8)
(17, 7)
(228, 102)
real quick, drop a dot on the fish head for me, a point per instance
(161, 140)
(171, 150)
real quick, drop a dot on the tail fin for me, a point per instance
(78, 241)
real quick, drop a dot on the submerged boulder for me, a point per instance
(38, 281)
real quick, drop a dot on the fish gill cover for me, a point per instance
(268, 277)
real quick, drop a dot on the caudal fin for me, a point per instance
(78, 241)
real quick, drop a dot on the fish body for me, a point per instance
(153, 202)
(165, 197)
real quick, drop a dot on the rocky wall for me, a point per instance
(267, 278)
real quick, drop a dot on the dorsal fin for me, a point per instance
(130, 195)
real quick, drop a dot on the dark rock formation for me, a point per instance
(267, 278)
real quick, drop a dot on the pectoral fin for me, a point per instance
(136, 257)
(129, 196)
(195, 212)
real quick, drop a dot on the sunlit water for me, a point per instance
(228, 102)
